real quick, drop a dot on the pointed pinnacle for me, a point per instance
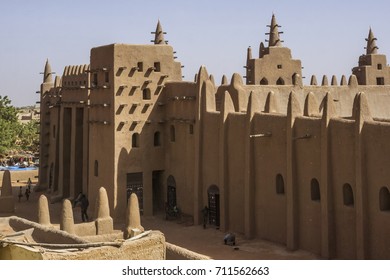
(371, 45)
(47, 77)
(159, 35)
(274, 39)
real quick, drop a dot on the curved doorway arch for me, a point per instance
(214, 206)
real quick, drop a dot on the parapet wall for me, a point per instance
(151, 247)
(178, 253)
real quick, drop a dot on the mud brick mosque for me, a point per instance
(306, 166)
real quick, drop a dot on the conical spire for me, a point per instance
(274, 40)
(159, 35)
(261, 50)
(371, 45)
(47, 78)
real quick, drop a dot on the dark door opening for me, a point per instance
(213, 198)
(171, 192)
(157, 186)
(134, 184)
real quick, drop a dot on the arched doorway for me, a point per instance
(213, 199)
(171, 191)
(280, 81)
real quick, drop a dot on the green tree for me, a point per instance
(8, 125)
(28, 137)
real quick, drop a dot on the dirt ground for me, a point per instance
(207, 241)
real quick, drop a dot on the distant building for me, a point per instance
(27, 114)
(304, 166)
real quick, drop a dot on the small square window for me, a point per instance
(280, 66)
(379, 66)
(157, 67)
(146, 94)
(380, 81)
(140, 66)
(95, 80)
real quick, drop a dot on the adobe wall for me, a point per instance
(307, 161)
(44, 234)
(73, 142)
(342, 171)
(175, 252)
(53, 123)
(139, 115)
(375, 176)
(210, 153)
(151, 247)
(269, 156)
(101, 142)
(235, 160)
(180, 102)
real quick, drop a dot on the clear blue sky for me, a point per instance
(327, 36)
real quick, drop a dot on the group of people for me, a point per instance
(81, 200)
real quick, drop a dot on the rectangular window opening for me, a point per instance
(95, 80)
(157, 67)
(380, 81)
(140, 66)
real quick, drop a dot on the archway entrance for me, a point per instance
(171, 192)
(213, 198)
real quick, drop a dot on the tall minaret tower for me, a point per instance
(371, 45)
(274, 40)
(372, 69)
(275, 65)
(46, 86)
(159, 35)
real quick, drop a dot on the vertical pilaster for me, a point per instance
(72, 155)
(327, 240)
(227, 107)
(249, 187)
(201, 78)
(293, 110)
(361, 113)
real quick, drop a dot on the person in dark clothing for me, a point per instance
(27, 194)
(205, 212)
(20, 193)
(84, 203)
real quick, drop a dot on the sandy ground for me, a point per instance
(207, 241)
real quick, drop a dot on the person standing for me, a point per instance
(84, 203)
(27, 194)
(29, 183)
(205, 213)
(20, 193)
